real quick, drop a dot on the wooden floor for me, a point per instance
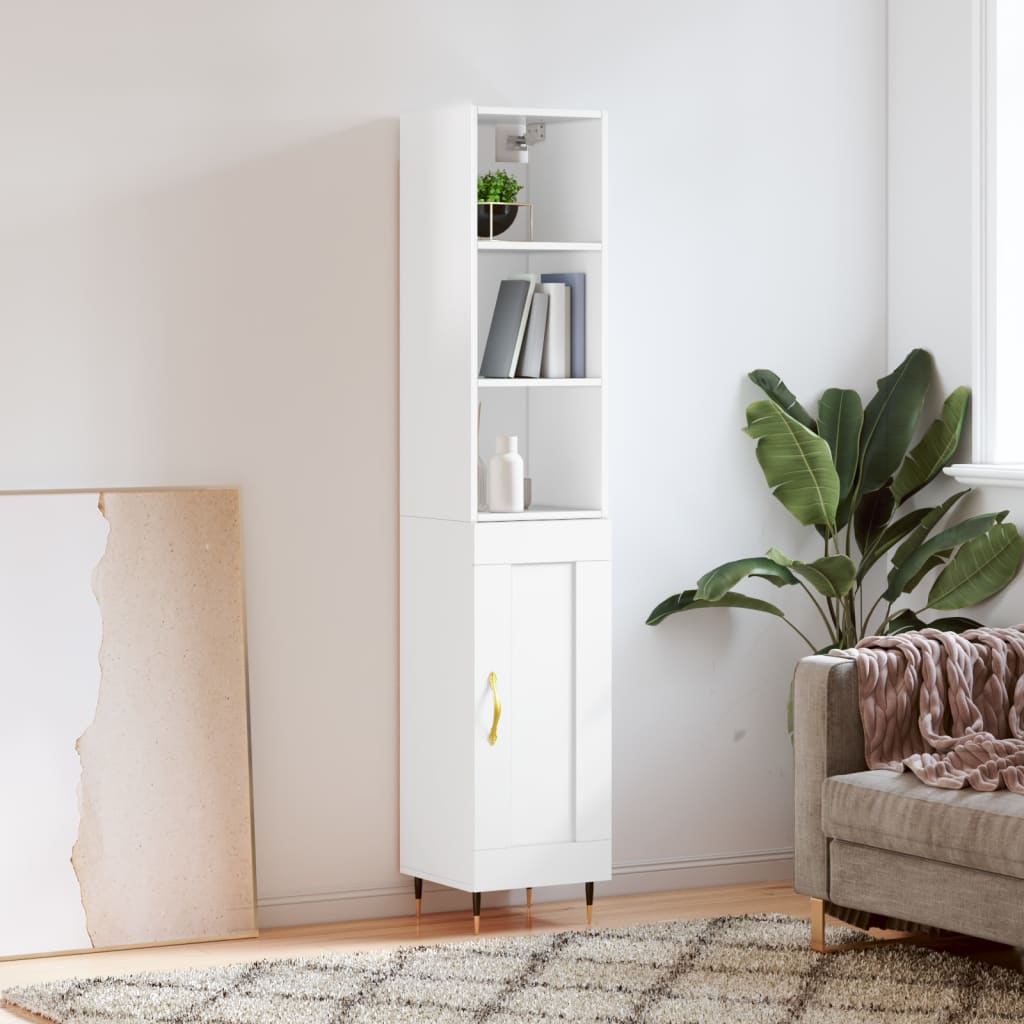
(380, 933)
(755, 898)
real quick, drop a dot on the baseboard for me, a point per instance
(628, 878)
(346, 905)
(695, 872)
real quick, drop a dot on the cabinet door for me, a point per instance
(543, 630)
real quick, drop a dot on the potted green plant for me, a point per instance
(494, 191)
(848, 473)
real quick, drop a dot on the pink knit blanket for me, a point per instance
(948, 706)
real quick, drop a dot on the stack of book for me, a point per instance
(538, 327)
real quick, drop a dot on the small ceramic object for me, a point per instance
(505, 476)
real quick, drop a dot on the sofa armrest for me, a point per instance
(828, 740)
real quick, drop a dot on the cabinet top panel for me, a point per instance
(499, 115)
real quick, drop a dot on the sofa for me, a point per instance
(881, 848)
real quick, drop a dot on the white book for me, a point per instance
(557, 337)
(533, 343)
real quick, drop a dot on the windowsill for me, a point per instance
(993, 475)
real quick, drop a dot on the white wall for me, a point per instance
(769, 253)
(931, 107)
(198, 284)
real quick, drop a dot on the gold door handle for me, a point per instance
(492, 682)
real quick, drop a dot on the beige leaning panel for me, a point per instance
(164, 848)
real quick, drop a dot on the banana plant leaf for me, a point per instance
(718, 582)
(796, 463)
(907, 620)
(688, 601)
(840, 418)
(954, 624)
(928, 522)
(772, 385)
(981, 568)
(832, 576)
(933, 563)
(903, 622)
(935, 449)
(890, 418)
(891, 535)
(906, 575)
(874, 511)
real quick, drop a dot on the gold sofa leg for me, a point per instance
(818, 926)
(819, 945)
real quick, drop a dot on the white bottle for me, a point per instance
(505, 476)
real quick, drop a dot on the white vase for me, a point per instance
(505, 476)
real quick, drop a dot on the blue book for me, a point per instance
(577, 283)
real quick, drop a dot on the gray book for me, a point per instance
(505, 337)
(533, 343)
(577, 283)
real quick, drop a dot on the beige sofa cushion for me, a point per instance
(898, 812)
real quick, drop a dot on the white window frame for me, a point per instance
(982, 469)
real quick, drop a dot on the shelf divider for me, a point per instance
(538, 512)
(488, 245)
(538, 382)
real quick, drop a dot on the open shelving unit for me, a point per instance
(561, 430)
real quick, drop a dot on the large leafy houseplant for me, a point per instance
(849, 474)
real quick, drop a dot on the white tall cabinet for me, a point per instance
(518, 600)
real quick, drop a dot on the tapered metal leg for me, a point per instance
(818, 926)
(476, 913)
(529, 897)
(417, 884)
(590, 903)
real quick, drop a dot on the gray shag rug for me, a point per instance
(729, 969)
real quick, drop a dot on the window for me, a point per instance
(1001, 334)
